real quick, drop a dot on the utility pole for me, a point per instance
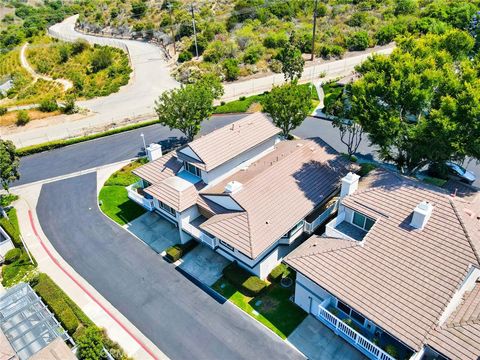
(314, 29)
(194, 28)
(170, 7)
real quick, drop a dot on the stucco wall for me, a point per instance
(308, 294)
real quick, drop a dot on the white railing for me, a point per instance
(352, 336)
(139, 199)
(199, 234)
(311, 227)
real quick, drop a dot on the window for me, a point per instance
(223, 243)
(352, 313)
(193, 169)
(362, 221)
(167, 208)
(344, 307)
(357, 317)
(293, 230)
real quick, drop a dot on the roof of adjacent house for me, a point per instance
(277, 192)
(176, 192)
(399, 277)
(459, 337)
(156, 171)
(227, 142)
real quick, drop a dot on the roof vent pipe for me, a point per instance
(421, 214)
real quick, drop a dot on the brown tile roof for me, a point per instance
(277, 192)
(225, 143)
(176, 192)
(156, 171)
(459, 337)
(6, 350)
(400, 278)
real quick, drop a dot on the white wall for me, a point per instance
(190, 153)
(308, 294)
(185, 217)
(221, 172)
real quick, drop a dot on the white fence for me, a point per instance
(351, 335)
(139, 199)
(311, 227)
(199, 235)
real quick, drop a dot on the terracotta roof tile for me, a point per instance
(156, 171)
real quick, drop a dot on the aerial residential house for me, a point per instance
(397, 270)
(242, 190)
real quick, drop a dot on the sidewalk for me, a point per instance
(99, 310)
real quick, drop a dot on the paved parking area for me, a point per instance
(204, 264)
(318, 342)
(155, 231)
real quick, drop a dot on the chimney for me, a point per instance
(349, 184)
(154, 152)
(421, 214)
(232, 187)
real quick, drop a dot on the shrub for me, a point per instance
(184, 56)
(7, 199)
(280, 271)
(365, 168)
(253, 53)
(358, 41)
(391, 350)
(101, 59)
(48, 105)
(242, 98)
(175, 252)
(231, 69)
(23, 118)
(78, 46)
(10, 226)
(247, 283)
(350, 323)
(90, 345)
(69, 106)
(3, 111)
(13, 255)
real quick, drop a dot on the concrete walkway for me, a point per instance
(102, 313)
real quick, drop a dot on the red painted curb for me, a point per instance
(142, 345)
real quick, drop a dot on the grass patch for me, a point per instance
(10, 118)
(434, 181)
(33, 149)
(332, 92)
(273, 308)
(114, 197)
(366, 168)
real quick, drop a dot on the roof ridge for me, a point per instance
(464, 228)
(346, 246)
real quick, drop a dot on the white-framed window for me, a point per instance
(167, 208)
(359, 318)
(294, 230)
(192, 169)
(362, 221)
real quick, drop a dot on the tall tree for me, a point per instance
(9, 163)
(292, 61)
(422, 103)
(186, 107)
(351, 134)
(288, 105)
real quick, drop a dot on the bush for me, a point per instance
(247, 283)
(101, 59)
(175, 252)
(438, 170)
(48, 105)
(280, 271)
(3, 111)
(10, 226)
(7, 199)
(80, 45)
(184, 56)
(391, 350)
(231, 69)
(365, 168)
(358, 41)
(90, 345)
(69, 106)
(23, 118)
(13, 255)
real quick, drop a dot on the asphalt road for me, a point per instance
(180, 318)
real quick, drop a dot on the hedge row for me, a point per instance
(175, 252)
(66, 311)
(10, 226)
(29, 150)
(247, 283)
(280, 271)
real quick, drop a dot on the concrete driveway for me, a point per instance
(318, 342)
(204, 264)
(155, 231)
(182, 319)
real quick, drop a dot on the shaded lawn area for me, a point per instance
(114, 197)
(273, 308)
(241, 106)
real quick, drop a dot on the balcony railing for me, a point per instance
(133, 194)
(199, 234)
(351, 336)
(311, 227)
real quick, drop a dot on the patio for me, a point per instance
(155, 231)
(204, 264)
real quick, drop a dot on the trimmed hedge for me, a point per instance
(29, 150)
(12, 255)
(10, 226)
(247, 283)
(279, 272)
(175, 252)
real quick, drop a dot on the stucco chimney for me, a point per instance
(233, 186)
(421, 214)
(349, 184)
(154, 152)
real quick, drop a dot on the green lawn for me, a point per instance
(273, 308)
(114, 199)
(241, 106)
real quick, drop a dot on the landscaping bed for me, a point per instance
(272, 306)
(114, 201)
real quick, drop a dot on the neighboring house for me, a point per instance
(400, 265)
(6, 244)
(242, 191)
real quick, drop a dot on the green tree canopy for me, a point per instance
(288, 105)
(422, 103)
(186, 107)
(292, 61)
(9, 163)
(90, 346)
